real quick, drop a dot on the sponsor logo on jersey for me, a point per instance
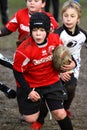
(24, 28)
(43, 60)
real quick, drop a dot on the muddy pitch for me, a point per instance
(9, 114)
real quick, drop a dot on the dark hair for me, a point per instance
(40, 20)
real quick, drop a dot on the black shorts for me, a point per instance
(54, 95)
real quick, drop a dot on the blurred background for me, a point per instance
(14, 5)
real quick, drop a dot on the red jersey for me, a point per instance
(21, 21)
(35, 62)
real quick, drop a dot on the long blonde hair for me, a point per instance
(71, 4)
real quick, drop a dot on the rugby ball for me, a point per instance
(61, 56)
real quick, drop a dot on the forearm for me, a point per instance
(6, 62)
(21, 81)
(4, 31)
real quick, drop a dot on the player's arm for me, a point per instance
(66, 76)
(10, 93)
(71, 66)
(6, 62)
(31, 94)
(4, 31)
(21, 81)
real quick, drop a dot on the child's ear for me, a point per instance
(43, 4)
(78, 21)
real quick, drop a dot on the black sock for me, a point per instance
(65, 124)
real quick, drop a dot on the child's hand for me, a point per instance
(65, 76)
(34, 96)
(68, 67)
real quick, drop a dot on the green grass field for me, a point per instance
(14, 5)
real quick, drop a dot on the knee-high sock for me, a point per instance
(65, 124)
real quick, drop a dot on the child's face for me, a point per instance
(35, 6)
(70, 18)
(39, 35)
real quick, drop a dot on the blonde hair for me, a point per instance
(71, 4)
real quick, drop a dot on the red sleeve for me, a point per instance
(12, 25)
(17, 65)
(20, 57)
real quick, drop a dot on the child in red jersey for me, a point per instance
(37, 80)
(21, 20)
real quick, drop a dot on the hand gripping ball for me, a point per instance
(61, 56)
